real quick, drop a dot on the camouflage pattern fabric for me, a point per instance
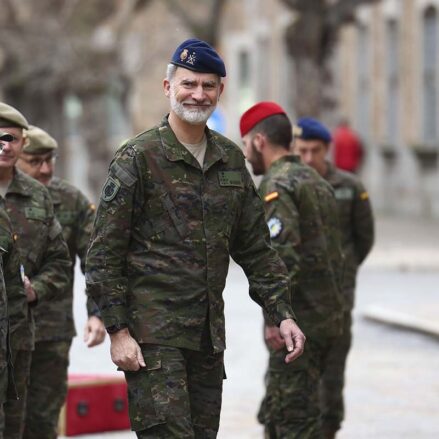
(357, 229)
(15, 409)
(177, 395)
(54, 322)
(41, 245)
(301, 215)
(291, 407)
(46, 261)
(75, 213)
(11, 288)
(47, 390)
(163, 234)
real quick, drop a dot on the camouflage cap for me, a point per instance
(11, 117)
(6, 137)
(38, 141)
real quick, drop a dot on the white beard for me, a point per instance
(194, 116)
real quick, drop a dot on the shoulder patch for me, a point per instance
(275, 226)
(110, 189)
(271, 196)
(364, 196)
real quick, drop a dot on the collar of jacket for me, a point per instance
(175, 151)
(54, 190)
(20, 184)
(332, 175)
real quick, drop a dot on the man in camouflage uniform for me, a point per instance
(301, 216)
(177, 203)
(43, 252)
(54, 322)
(312, 141)
(12, 295)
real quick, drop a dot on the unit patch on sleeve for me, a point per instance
(275, 226)
(110, 190)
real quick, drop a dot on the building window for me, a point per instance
(363, 68)
(392, 84)
(430, 75)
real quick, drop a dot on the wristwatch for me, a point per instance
(115, 328)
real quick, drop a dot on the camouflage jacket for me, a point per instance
(43, 252)
(356, 223)
(75, 213)
(164, 230)
(12, 295)
(301, 216)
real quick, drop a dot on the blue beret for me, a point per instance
(308, 128)
(198, 56)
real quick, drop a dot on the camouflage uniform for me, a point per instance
(46, 262)
(357, 229)
(300, 211)
(158, 262)
(54, 322)
(12, 294)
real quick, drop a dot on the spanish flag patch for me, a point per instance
(364, 196)
(271, 196)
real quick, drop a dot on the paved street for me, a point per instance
(393, 375)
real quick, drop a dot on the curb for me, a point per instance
(401, 320)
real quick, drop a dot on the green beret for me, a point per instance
(6, 137)
(38, 141)
(11, 118)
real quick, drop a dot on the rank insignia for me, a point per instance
(192, 59)
(110, 190)
(271, 196)
(184, 55)
(275, 226)
(364, 196)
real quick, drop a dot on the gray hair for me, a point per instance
(170, 71)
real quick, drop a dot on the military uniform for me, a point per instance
(44, 255)
(158, 261)
(11, 294)
(54, 321)
(357, 229)
(300, 212)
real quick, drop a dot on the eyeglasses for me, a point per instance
(38, 162)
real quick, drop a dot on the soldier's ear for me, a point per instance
(167, 87)
(259, 141)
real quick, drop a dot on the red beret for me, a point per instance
(258, 112)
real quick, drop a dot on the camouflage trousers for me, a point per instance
(3, 393)
(177, 395)
(15, 410)
(291, 406)
(47, 389)
(332, 381)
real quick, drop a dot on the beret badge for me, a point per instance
(184, 55)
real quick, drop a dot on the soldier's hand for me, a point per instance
(125, 351)
(94, 331)
(30, 292)
(294, 339)
(273, 338)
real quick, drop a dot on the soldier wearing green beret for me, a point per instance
(43, 251)
(312, 141)
(301, 215)
(54, 320)
(178, 202)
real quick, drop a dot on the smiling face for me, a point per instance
(193, 96)
(11, 150)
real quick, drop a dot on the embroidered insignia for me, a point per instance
(92, 207)
(271, 196)
(110, 190)
(364, 196)
(192, 59)
(184, 55)
(275, 226)
(297, 131)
